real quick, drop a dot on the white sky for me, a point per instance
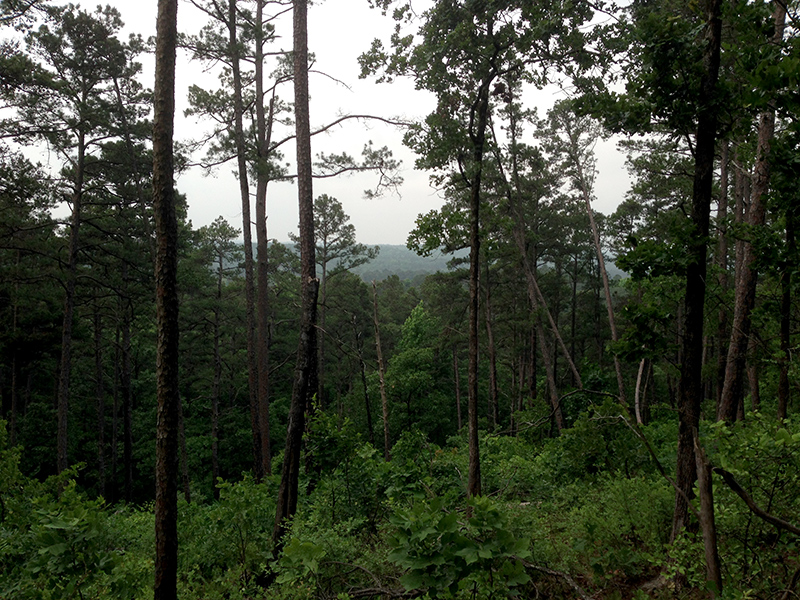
(338, 32)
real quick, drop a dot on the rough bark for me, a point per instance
(748, 275)
(305, 384)
(691, 384)
(166, 506)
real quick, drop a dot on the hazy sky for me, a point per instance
(338, 32)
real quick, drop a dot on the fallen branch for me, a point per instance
(730, 480)
(565, 576)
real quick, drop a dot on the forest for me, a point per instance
(578, 405)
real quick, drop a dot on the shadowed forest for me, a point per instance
(559, 403)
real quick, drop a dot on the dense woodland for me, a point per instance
(519, 424)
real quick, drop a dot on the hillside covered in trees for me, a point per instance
(554, 403)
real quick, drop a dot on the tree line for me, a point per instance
(524, 338)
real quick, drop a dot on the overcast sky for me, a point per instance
(338, 32)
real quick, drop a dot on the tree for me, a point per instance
(745, 292)
(464, 49)
(166, 508)
(305, 384)
(336, 252)
(72, 106)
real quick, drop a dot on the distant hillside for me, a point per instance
(399, 260)
(396, 259)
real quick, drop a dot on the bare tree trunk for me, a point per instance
(249, 286)
(552, 386)
(127, 400)
(478, 138)
(264, 134)
(585, 188)
(787, 267)
(691, 383)
(722, 264)
(166, 508)
(215, 386)
(65, 365)
(100, 400)
(494, 416)
(305, 384)
(637, 396)
(707, 520)
(748, 275)
(363, 367)
(384, 400)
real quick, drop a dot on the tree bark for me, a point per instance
(264, 135)
(748, 275)
(691, 384)
(305, 384)
(478, 138)
(249, 286)
(166, 507)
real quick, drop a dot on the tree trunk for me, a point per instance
(384, 400)
(585, 188)
(691, 384)
(787, 267)
(305, 384)
(215, 386)
(264, 134)
(707, 520)
(477, 137)
(494, 417)
(125, 385)
(166, 507)
(100, 400)
(363, 367)
(184, 455)
(748, 276)
(65, 365)
(244, 193)
(722, 277)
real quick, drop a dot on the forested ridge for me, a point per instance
(560, 404)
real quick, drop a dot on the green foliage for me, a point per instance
(229, 540)
(443, 554)
(55, 543)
